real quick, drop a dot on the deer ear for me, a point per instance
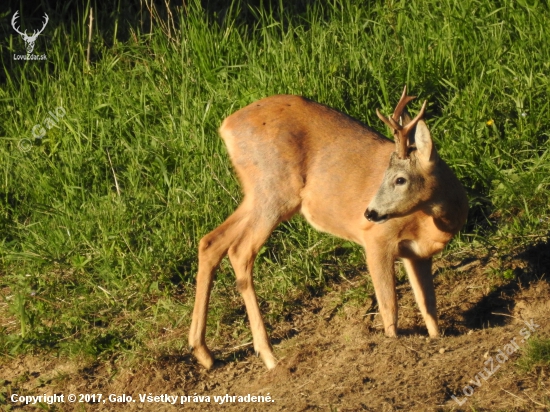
(424, 143)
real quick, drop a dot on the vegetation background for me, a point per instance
(100, 219)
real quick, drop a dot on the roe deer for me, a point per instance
(294, 155)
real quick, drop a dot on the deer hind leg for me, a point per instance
(212, 248)
(420, 276)
(241, 237)
(380, 262)
(242, 254)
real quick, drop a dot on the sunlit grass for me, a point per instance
(100, 219)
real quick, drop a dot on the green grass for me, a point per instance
(101, 218)
(535, 354)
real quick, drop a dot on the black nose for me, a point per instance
(371, 215)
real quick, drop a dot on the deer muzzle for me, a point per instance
(373, 216)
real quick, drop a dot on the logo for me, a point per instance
(38, 132)
(29, 40)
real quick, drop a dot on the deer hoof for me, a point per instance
(391, 333)
(204, 356)
(269, 360)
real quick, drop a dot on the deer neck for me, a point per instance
(449, 208)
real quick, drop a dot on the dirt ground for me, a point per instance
(336, 357)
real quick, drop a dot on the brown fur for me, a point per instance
(294, 155)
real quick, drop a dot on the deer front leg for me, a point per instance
(381, 268)
(420, 276)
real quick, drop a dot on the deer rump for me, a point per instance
(399, 200)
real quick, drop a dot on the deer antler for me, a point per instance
(401, 133)
(403, 100)
(14, 18)
(35, 33)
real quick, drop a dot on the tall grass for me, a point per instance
(100, 219)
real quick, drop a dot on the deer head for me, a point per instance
(410, 179)
(29, 40)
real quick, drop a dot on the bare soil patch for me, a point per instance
(337, 358)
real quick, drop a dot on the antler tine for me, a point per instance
(399, 137)
(389, 121)
(407, 129)
(404, 99)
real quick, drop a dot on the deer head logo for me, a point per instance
(29, 40)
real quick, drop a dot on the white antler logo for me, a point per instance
(29, 40)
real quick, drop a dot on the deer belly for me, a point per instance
(328, 222)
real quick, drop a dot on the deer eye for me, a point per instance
(400, 181)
